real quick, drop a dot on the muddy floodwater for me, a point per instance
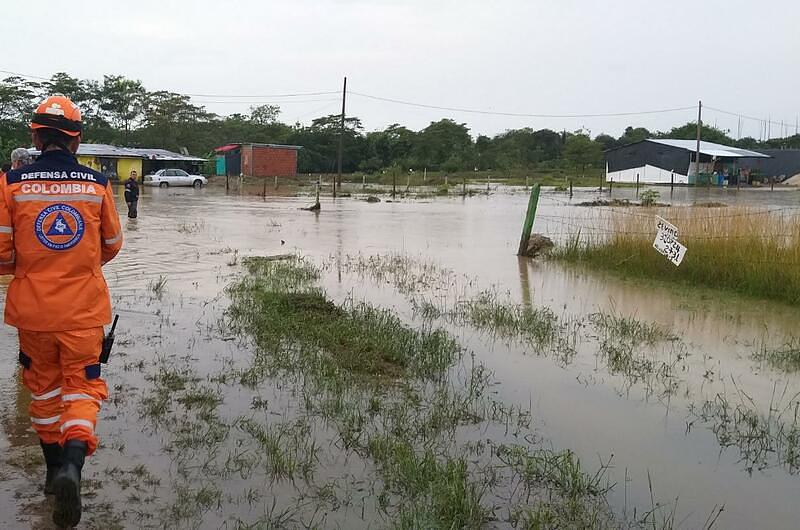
(695, 423)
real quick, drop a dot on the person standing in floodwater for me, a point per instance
(58, 227)
(132, 195)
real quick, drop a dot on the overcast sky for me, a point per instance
(516, 56)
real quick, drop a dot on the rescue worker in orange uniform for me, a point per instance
(58, 227)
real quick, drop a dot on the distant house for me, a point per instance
(118, 162)
(781, 164)
(661, 161)
(257, 160)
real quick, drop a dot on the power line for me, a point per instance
(762, 120)
(25, 75)
(519, 114)
(264, 96)
(204, 102)
(289, 95)
(436, 107)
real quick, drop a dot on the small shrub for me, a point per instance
(650, 197)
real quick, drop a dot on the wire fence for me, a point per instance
(747, 227)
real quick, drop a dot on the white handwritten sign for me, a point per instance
(666, 242)
(662, 225)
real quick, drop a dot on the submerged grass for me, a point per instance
(537, 327)
(338, 359)
(761, 437)
(436, 494)
(625, 345)
(355, 337)
(785, 357)
(628, 328)
(423, 439)
(555, 489)
(746, 250)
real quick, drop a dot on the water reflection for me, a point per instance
(188, 236)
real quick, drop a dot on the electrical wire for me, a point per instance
(518, 114)
(260, 96)
(289, 95)
(762, 120)
(440, 107)
(204, 102)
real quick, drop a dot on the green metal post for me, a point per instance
(533, 202)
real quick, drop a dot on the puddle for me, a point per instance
(187, 246)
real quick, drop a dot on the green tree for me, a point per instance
(265, 114)
(707, 133)
(170, 120)
(747, 143)
(441, 141)
(581, 151)
(122, 101)
(321, 143)
(18, 98)
(606, 141)
(633, 135)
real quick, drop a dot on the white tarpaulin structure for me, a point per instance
(662, 161)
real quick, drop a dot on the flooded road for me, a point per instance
(186, 247)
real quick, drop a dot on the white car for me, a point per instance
(165, 178)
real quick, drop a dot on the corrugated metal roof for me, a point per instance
(113, 151)
(274, 146)
(163, 154)
(709, 148)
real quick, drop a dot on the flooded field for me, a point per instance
(507, 392)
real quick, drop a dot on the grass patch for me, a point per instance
(592, 177)
(436, 494)
(287, 449)
(761, 438)
(423, 437)
(745, 250)
(785, 357)
(157, 286)
(624, 344)
(276, 304)
(556, 491)
(628, 328)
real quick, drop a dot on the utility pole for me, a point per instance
(697, 153)
(341, 140)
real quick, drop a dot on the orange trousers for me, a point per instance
(62, 371)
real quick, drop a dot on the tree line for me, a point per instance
(121, 111)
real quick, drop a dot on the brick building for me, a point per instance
(257, 160)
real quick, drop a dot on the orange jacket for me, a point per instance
(58, 226)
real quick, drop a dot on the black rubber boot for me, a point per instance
(52, 459)
(67, 485)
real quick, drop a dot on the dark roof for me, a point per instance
(781, 162)
(706, 148)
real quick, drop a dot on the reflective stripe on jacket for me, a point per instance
(58, 226)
